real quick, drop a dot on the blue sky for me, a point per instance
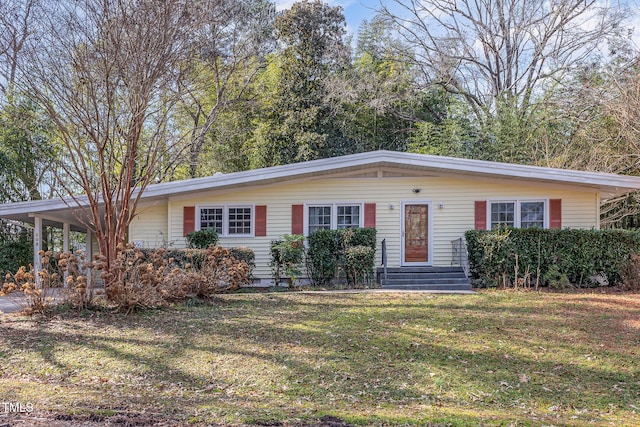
(355, 11)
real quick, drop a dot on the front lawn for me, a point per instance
(495, 358)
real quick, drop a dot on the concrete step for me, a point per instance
(425, 281)
(446, 269)
(443, 287)
(400, 276)
(425, 278)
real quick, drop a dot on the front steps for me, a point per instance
(440, 279)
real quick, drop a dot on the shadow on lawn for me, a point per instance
(340, 355)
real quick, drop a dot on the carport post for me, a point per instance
(89, 256)
(66, 231)
(37, 247)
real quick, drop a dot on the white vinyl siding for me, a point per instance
(455, 195)
(149, 227)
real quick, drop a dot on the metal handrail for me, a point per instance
(384, 257)
(459, 254)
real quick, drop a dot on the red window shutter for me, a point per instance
(481, 215)
(297, 219)
(260, 227)
(188, 219)
(370, 215)
(555, 213)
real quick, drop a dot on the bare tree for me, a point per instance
(16, 26)
(622, 107)
(503, 52)
(106, 72)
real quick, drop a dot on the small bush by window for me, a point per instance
(202, 239)
(286, 258)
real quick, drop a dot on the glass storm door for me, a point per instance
(416, 233)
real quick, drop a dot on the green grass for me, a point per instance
(495, 358)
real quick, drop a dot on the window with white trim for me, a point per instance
(319, 218)
(518, 213)
(227, 220)
(211, 218)
(333, 216)
(348, 217)
(531, 214)
(239, 220)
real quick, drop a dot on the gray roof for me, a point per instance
(607, 184)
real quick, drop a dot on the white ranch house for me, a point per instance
(419, 204)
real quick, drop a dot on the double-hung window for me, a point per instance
(332, 216)
(319, 218)
(227, 220)
(211, 218)
(518, 213)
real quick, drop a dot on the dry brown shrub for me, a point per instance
(154, 281)
(62, 271)
(144, 280)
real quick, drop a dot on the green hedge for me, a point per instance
(16, 247)
(14, 254)
(578, 254)
(351, 251)
(322, 257)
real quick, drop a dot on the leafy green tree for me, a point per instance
(375, 97)
(27, 151)
(296, 122)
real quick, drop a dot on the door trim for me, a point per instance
(429, 203)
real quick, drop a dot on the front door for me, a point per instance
(416, 233)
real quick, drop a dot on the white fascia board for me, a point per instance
(519, 171)
(36, 206)
(609, 183)
(606, 182)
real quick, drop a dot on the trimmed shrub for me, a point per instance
(505, 256)
(631, 274)
(332, 251)
(359, 263)
(194, 257)
(202, 239)
(358, 237)
(323, 257)
(286, 257)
